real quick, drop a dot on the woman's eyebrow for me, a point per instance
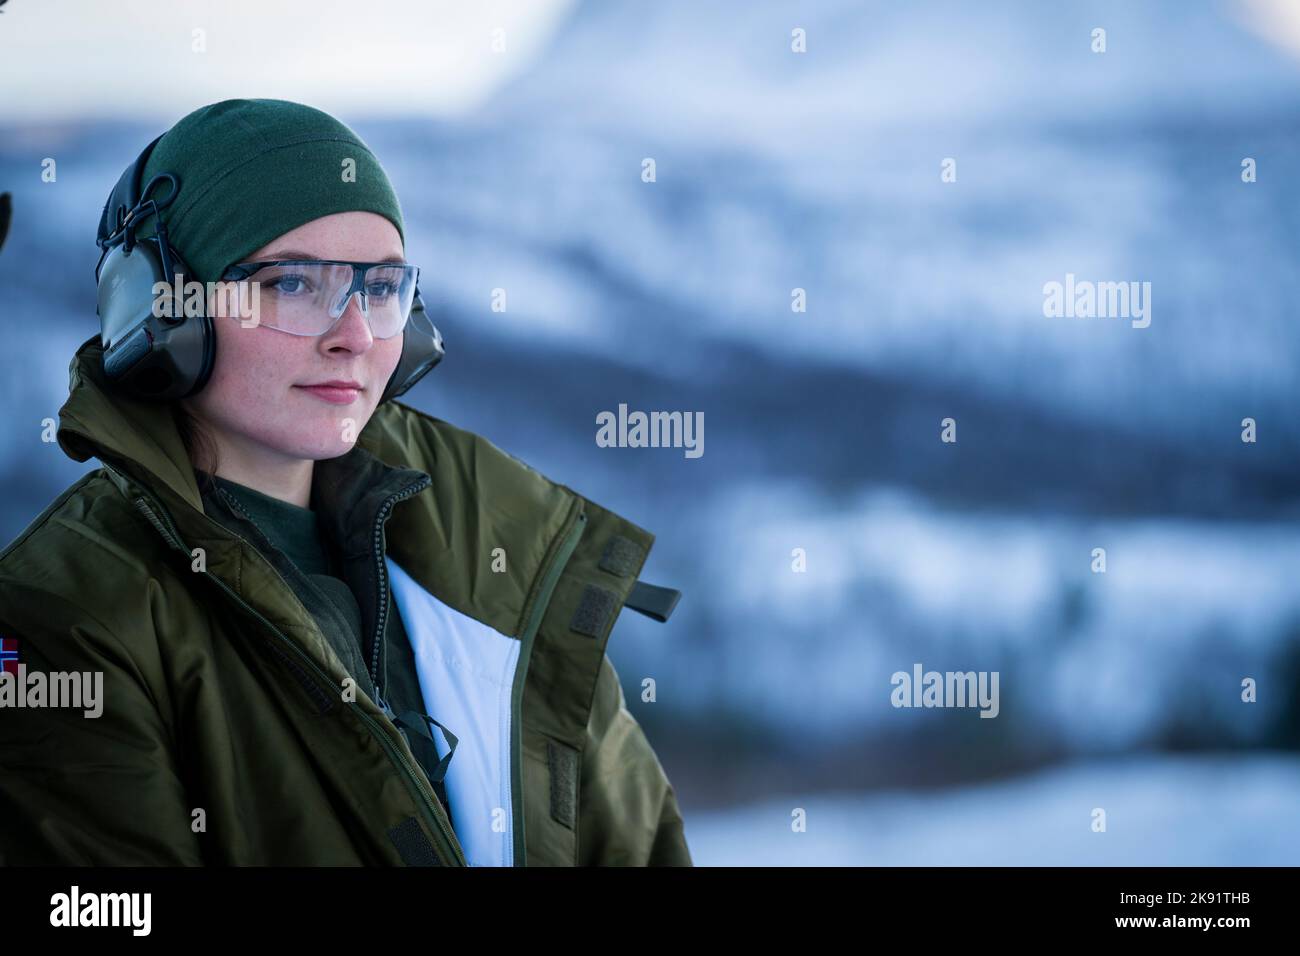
(299, 254)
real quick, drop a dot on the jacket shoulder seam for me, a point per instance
(37, 523)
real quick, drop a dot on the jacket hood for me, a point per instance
(478, 498)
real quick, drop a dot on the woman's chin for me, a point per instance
(329, 442)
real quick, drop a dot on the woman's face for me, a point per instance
(256, 403)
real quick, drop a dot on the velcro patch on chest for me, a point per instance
(593, 610)
(562, 761)
(621, 555)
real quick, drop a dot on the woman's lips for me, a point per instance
(335, 395)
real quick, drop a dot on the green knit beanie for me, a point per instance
(251, 170)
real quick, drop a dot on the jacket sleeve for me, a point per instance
(627, 809)
(77, 789)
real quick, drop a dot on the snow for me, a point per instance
(1159, 811)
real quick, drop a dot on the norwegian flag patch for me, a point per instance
(9, 655)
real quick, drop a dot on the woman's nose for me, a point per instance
(352, 330)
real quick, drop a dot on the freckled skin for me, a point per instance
(268, 433)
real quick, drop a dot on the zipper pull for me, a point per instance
(392, 715)
(388, 711)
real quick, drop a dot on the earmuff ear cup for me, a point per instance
(148, 355)
(422, 349)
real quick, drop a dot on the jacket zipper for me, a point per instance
(567, 546)
(382, 608)
(161, 520)
(382, 576)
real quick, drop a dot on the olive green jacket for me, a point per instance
(230, 732)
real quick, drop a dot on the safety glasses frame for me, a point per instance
(243, 271)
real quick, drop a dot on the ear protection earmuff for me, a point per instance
(169, 357)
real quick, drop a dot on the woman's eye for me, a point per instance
(381, 289)
(288, 284)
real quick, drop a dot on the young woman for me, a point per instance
(328, 628)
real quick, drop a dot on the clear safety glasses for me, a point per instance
(309, 296)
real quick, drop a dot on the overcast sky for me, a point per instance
(139, 58)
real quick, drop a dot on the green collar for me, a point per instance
(293, 529)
